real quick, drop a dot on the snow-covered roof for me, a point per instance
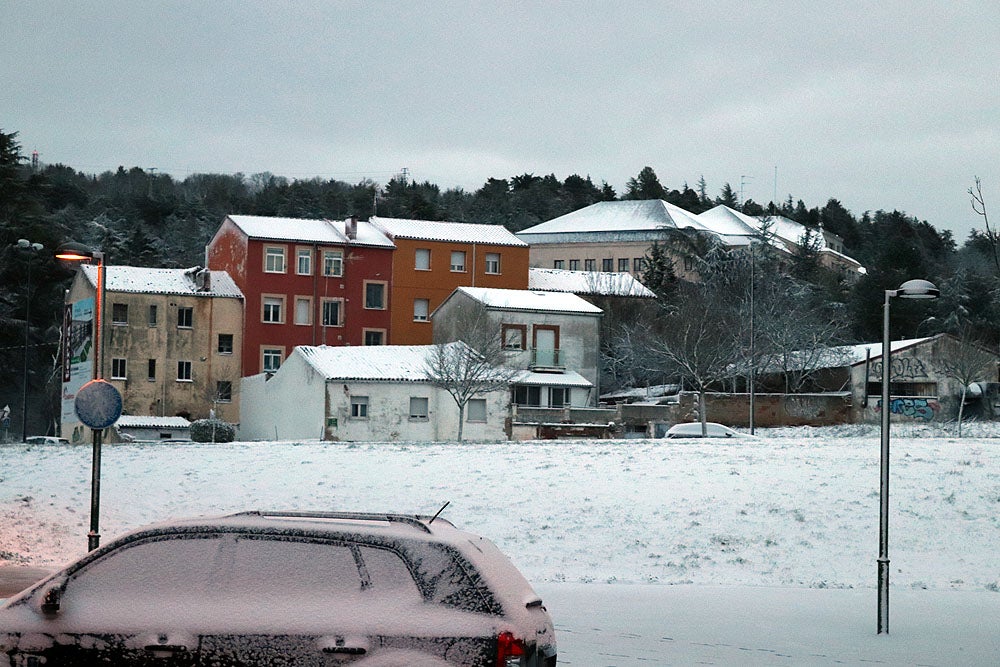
(400, 363)
(143, 280)
(431, 230)
(150, 421)
(597, 283)
(839, 356)
(564, 379)
(515, 299)
(615, 217)
(308, 230)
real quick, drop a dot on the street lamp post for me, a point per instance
(25, 244)
(76, 252)
(911, 289)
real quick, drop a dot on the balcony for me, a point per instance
(546, 359)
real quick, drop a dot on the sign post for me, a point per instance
(98, 404)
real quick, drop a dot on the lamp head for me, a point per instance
(918, 289)
(77, 252)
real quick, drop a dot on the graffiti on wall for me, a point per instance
(903, 369)
(915, 408)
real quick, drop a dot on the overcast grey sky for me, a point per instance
(889, 105)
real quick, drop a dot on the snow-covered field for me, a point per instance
(796, 507)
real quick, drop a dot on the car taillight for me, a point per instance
(510, 650)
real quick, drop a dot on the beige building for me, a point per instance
(616, 236)
(172, 341)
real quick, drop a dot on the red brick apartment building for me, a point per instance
(305, 282)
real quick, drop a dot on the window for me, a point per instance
(185, 318)
(422, 261)
(152, 316)
(183, 371)
(418, 408)
(531, 396)
(225, 344)
(303, 261)
(475, 411)
(224, 391)
(637, 265)
(119, 313)
(574, 265)
(331, 313)
(514, 336)
(359, 407)
(421, 307)
(458, 260)
(607, 265)
(589, 265)
(558, 264)
(558, 397)
(303, 310)
(689, 263)
(271, 359)
(274, 259)
(333, 263)
(273, 306)
(493, 262)
(151, 370)
(374, 296)
(118, 369)
(374, 337)
(623, 264)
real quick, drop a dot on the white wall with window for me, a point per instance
(291, 404)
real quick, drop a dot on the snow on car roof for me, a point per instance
(433, 230)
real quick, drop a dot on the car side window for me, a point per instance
(306, 571)
(388, 575)
(145, 577)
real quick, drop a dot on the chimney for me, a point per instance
(352, 228)
(203, 280)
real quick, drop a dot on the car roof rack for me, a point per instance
(409, 519)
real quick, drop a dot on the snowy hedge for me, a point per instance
(212, 430)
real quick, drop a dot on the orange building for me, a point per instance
(433, 258)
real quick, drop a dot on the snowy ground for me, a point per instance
(794, 509)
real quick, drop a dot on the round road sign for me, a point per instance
(98, 404)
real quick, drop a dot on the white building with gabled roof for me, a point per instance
(355, 394)
(553, 336)
(588, 283)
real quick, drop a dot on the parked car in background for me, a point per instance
(284, 588)
(712, 430)
(45, 440)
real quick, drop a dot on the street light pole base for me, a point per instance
(93, 540)
(883, 596)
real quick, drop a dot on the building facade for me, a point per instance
(306, 282)
(172, 341)
(433, 258)
(554, 337)
(373, 394)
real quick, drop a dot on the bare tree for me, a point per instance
(970, 362)
(472, 366)
(992, 235)
(694, 339)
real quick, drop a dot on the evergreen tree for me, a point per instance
(645, 186)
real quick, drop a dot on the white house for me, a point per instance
(367, 393)
(553, 336)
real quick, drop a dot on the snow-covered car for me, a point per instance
(712, 430)
(45, 440)
(284, 588)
